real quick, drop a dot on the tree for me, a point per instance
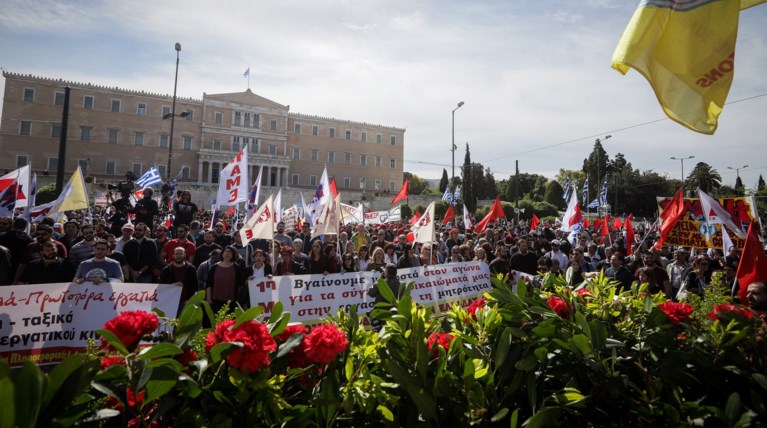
(596, 167)
(443, 182)
(46, 194)
(416, 185)
(553, 195)
(469, 198)
(760, 185)
(529, 185)
(739, 188)
(705, 177)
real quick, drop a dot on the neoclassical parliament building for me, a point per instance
(112, 131)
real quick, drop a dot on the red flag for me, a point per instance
(597, 223)
(230, 212)
(753, 262)
(416, 217)
(449, 214)
(605, 229)
(333, 188)
(402, 193)
(673, 212)
(535, 222)
(617, 223)
(629, 233)
(496, 212)
(585, 222)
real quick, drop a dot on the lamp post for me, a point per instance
(452, 177)
(682, 161)
(598, 159)
(737, 170)
(172, 115)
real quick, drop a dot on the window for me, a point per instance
(348, 134)
(187, 142)
(392, 162)
(237, 118)
(364, 137)
(393, 140)
(312, 180)
(111, 168)
(88, 102)
(378, 161)
(362, 182)
(115, 106)
(21, 160)
(315, 154)
(378, 184)
(141, 109)
(379, 137)
(25, 127)
(331, 157)
(85, 133)
(216, 144)
(255, 145)
(83, 163)
(392, 184)
(347, 182)
(363, 159)
(164, 138)
(138, 138)
(136, 168)
(332, 132)
(235, 144)
(272, 125)
(347, 158)
(315, 130)
(165, 111)
(296, 128)
(296, 153)
(113, 133)
(257, 121)
(189, 115)
(29, 95)
(246, 120)
(185, 173)
(272, 149)
(53, 164)
(162, 169)
(294, 180)
(219, 118)
(58, 99)
(55, 130)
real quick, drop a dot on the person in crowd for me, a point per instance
(207, 246)
(221, 238)
(343, 239)
(100, 268)
(298, 255)
(592, 257)
(363, 259)
(619, 273)
(556, 253)
(166, 254)
(389, 255)
(429, 255)
(16, 241)
(695, 281)
(500, 264)
(379, 241)
(574, 275)
(127, 234)
(259, 268)
(660, 277)
(731, 279)
(196, 232)
(182, 273)
(577, 254)
(347, 263)
(146, 208)
(161, 237)
(281, 237)
(71, 234)
(524, 260)
(227, 281)
(285, 265)
(409, 259)
(479, 255)
(317, 262)
(677, 271)
(245, 250)
(184, 211)
(33, 250)
(453, 238)
(5, 225)
(378, 263)
(333, 261)
(49, 269)
(141, 255)
(646, 275)
(83, 249)
(204, 269)
(455, 255)
(756, 297)
(360, 238)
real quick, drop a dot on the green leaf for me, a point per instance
(7, 404)
(502, 349)
(527, 364)
(422, 398)
(29, 394)
(160, 313)
(68, 379)
(158, 381)
(113, 340)
(547, 417)
(500, 415)
(293, 341)
(163, 349)
(218, 352)
(349, 369)
(276, 313)
(189, 323)
(385, 291)
(582, 343)
(385, 412)
(583, 324)
(248, 315)
(545, 329)
(732, 410)
(514, 419)
(279, 323)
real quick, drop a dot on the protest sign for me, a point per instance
(692, 230)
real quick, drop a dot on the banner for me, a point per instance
(692, 230)
(309, 298)
(291, 217)
(45, 323)
(381, 217)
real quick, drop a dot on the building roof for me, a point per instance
(246, 98)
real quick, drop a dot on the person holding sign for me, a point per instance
(99, 268)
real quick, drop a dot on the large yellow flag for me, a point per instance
(74, 196)
(686, 50)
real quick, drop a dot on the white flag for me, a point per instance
(261, 224)
(255, 191)
(726, 242)
(22, 178)
(351, 214)
(467, 219)
(278, 208)
(233, 181)
(425, 225)
(716, 214)
(327, 221)
(320, 198)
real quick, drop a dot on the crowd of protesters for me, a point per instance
(185, 249)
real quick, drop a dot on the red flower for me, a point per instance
(726, 310)
(187, 357)
(439, 340)
(475, 306)
(324, 342)
(559, 306)
(256, 341)
(108, 362)
(583, 292)
(297, 357)
(676, 312)
(131, 326)
(290, 331)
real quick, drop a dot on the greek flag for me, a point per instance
(174, 184)
(566, 195)
(593, 204)
(586, 190)
(150, 178)
(457, 195)
(603, 195)
(246, 73)
(447, 195)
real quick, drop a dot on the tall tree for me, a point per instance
(760, 185)
(416, 185)
(596, 164)
(553, 194)
(705, 177)
(443, 182)
(529, 185)
(469, 198)
(739, 188)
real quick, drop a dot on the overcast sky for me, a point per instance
(535, 76)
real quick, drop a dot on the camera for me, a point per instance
(125, 187)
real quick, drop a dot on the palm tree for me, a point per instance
(705, 177)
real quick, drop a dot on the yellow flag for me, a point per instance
(74, 196)
(686, 50)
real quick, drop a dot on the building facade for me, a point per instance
(111, 131)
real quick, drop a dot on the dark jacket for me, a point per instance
(189, 281)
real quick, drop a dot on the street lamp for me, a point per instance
(600, 142)
(737, 170)
(452, 178)
(682, 161)
(173, 115)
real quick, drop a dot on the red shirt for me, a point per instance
(173, 244)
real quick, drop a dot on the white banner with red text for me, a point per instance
(310, 298)
(45, 323)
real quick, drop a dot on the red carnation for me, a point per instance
(297, 357)
(559, 306)
(108, 362)
(256, 341)
(475, 306)
(583, 292)
(439, 340)
(324, 342)
(131, 326)
(727, 310)
(187, 357)
(290, 331)
(676, 312)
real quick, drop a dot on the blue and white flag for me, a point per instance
(586, 190)
(150, 178)
(447, 196)
(174, 184)
(593, 204)
(457, 195)
(603, 195)
(246, 73)
(566, 194)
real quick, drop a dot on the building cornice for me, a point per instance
(341, 121)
